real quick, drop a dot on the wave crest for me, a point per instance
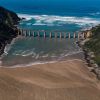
(51, 20)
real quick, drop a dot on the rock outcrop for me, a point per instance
(8, 29)
(91, 48)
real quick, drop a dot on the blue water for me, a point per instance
(59, 7)
(84, 13)
(60, 15)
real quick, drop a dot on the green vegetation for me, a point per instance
(94, 43)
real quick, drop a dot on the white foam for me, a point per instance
(28, 54)
(25, 53)
(46, 55)
(30, 64)
(50, 20)
(37, 56)
(38, 63)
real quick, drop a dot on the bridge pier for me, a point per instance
(26, 32)
(50, 35)
(74, 35)
(33, 33)
(60, 35)
(38, 33)
(69, 35)
(44, 34)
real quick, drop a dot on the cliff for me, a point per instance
(94, 43)
(8, 29)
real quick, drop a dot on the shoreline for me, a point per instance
(88, 56)
(51, 81)
(76, 56)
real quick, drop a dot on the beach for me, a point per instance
(63, 80)
(42, 68)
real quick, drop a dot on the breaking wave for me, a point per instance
(51, 20)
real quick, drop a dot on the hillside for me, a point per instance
(94, 43)
(8, 20)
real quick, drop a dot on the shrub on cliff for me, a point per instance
(94, 43)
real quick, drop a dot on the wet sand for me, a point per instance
(64, 80)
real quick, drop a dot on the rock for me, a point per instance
(95, 66)
(8, 30)
(8, 17)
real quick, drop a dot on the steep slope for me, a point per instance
(8, 20)
(94, 43)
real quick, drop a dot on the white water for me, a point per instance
(50, 20)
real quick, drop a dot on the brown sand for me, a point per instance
(66, 80)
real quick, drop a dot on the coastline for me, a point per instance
(88, 56)
(75, 56)
(49, 69)
(65, 80)
(62, 80)
(92, 67)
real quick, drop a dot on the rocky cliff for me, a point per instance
(94, 43)
(8, 29)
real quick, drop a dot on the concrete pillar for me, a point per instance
(69, 35)
(78, 35)
(74, 35)
(60, 35)
(33, 33)
(50, 35)
(44, 34)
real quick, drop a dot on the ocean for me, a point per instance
(57, 15)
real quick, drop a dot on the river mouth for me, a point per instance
(30, 50)
(33, 50)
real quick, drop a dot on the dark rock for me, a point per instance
(8, 29)
(8, 17)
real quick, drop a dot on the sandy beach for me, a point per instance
(64, 80)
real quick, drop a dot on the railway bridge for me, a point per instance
(51, 34)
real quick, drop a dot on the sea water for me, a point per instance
(49, 15)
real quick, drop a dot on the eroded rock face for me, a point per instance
(8, 17)
(8, 31)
